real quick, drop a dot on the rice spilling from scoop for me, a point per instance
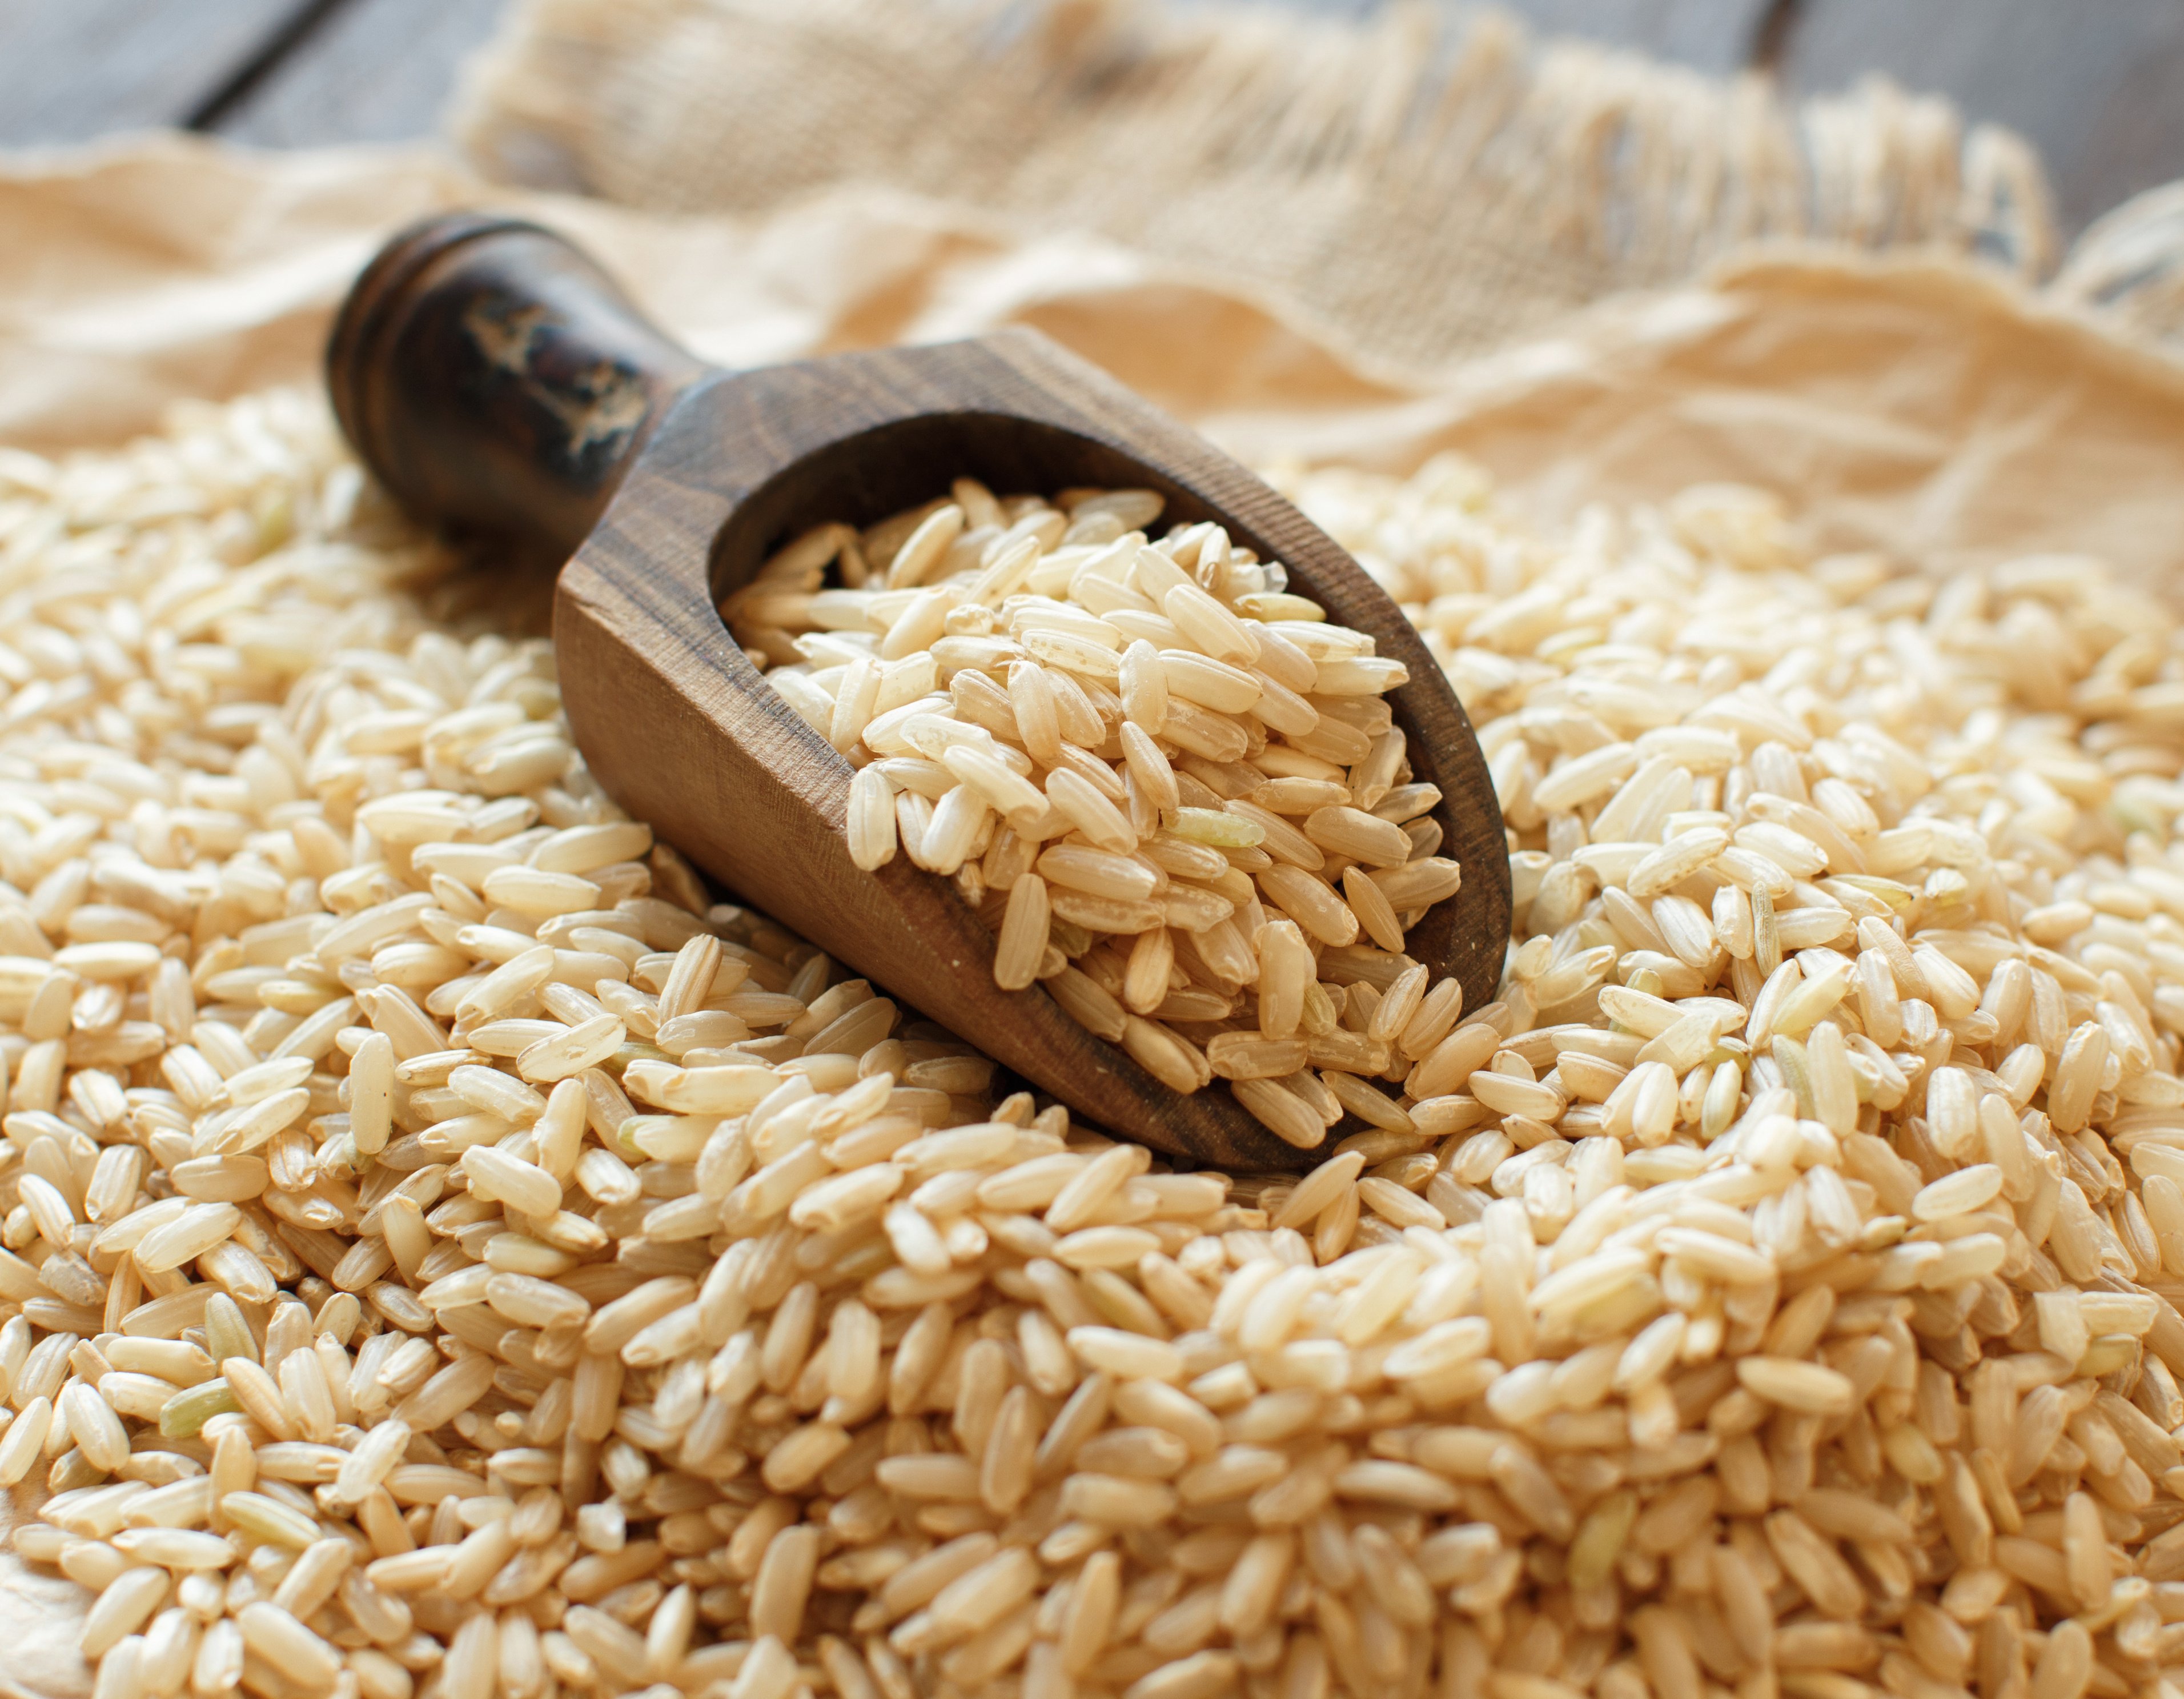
(445, 1251)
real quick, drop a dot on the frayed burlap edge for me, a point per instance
(2129, 265)
(1428, 183)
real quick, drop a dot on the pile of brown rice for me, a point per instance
(1170, 786)
(445, 1255)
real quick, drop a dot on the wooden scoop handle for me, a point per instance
(492, 375)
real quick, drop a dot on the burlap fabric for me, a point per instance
(2130, 267)
(1424, 184)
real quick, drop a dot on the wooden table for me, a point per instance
(2098, 84)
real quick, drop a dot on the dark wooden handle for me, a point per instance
(493, 377)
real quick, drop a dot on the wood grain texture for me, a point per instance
(679, 726)
(377, 71)
(1710, 34)
(1716, 36)
(496, 379)
(72, 70)
(2098, 86)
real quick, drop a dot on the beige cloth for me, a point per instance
(1912, 405)
(1915, 404)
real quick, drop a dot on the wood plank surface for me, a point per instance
(1717, 36)
(71, 69)
(2098, 86)
(375, 71)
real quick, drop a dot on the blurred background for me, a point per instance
(2096, 86)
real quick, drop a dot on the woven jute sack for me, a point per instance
(1420, 185)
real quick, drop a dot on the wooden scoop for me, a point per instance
(495, 379)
